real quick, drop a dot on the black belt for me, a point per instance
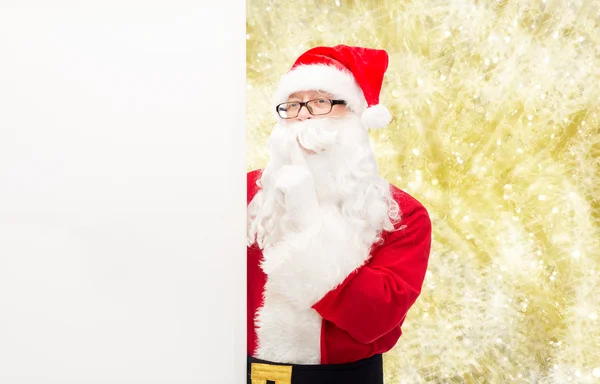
(366, 371)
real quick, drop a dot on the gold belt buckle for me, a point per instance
(280, 374)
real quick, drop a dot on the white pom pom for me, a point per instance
(376, 117)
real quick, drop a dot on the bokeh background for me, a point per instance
(497, 132)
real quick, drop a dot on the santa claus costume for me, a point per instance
(336, 255)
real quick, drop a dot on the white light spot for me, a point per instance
(542, 197)
(596, 372)
(415, 151)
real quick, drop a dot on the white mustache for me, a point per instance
(316, 135)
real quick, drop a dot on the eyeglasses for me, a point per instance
(315, 107)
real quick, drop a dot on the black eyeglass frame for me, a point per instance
(305, 104)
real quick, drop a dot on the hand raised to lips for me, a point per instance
(295, 188)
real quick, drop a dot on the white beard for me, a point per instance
(301, 266)
(346, 178)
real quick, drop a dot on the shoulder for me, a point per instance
(252, 178)
(412, 211)
(407, 202)
(411, 239)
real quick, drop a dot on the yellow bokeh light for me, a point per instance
(496, 130)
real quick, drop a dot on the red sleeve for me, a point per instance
(375, 299)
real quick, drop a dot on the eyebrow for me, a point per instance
(294, 96)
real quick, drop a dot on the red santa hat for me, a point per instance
(353, 74)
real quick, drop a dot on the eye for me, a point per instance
(322, 101)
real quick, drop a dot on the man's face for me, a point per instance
(321, 106)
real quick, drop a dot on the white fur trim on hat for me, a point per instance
(320, 77)
(376, 117)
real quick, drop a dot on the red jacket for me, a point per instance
(362, 316)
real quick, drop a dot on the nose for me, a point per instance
(304, 114)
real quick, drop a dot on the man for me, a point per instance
(336, 255)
